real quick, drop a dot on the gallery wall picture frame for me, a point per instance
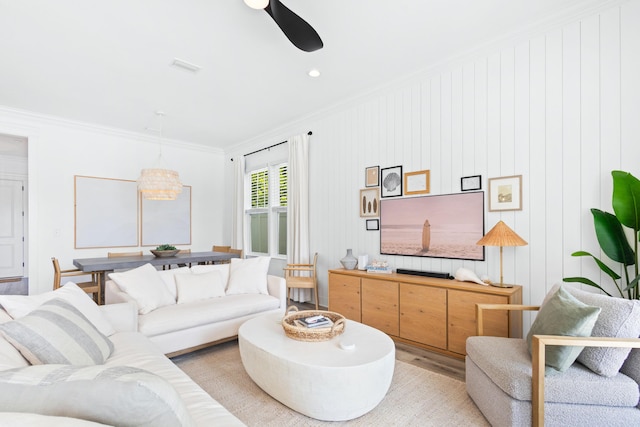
(470, 183)
(417, 182)
(372, 176)
(373, 225)
(391, 181)
(369, 202)
(505, 193)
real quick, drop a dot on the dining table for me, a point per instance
(104, 265)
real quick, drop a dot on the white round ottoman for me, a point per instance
(319, 379)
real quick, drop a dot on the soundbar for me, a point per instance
(424, 273)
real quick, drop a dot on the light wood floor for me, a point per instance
(419, 357)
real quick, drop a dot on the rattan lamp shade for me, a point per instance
(501, 235)
(159, 184)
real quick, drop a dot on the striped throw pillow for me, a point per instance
(112, 395)
(56, 332)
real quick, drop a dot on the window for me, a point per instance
(267, 211)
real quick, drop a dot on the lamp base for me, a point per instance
(501, 285)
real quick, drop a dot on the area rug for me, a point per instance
(417, 397)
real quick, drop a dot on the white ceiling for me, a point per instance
(108, 62)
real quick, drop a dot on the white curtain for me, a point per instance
(237, 222)
(298, 207)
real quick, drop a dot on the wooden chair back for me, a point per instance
(220, 248)
(91, 287)
(295, 280)
(119, 254)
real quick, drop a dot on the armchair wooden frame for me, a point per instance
(93, 287)
(539, 344)
(302, 282)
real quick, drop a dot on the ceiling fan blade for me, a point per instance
(297, 30)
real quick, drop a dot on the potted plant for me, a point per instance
(165, 251)
(612, 237)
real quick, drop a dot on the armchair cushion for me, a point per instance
(619, 318)
(563, 314)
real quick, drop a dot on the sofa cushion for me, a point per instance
(619, 318)
(168, 276)
(631, 367)
(57, 332)
(222, 268)
(145, 286)
(193, 287)
(563, 314)
(182, 316)
(10, 357)
(508, 363)
(248, 276)
(113, 395)
(20, 305)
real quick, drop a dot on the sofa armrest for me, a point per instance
(277, 287)
(539, 343)
(480, 308)
(123, 317)
(113, 294)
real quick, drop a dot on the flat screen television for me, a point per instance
(442, 226)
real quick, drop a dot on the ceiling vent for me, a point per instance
(188, 66)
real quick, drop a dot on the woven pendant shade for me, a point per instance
(159, 184)
(501, 235)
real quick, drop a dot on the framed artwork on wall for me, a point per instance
(372, 176)
(416, 182)
(469, 183)
(505, 193)
(369, 202)
(391, 180)
(373, 224)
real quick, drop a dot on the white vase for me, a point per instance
(349, 262)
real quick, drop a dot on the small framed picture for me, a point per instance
(416, 182)
(391, 181)
(372, 176)
(373, 224)
(505, 193)
(473, 182)
(370, 202)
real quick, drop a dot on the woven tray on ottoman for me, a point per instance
(303, 333)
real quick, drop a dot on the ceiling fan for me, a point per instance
(297, 30)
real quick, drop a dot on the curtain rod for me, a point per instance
(269, 147)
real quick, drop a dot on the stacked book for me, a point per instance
(379, 267)
(317, 321)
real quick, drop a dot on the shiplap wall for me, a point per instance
(562, 109)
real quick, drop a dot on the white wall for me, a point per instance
(60, 149)
(562, 109)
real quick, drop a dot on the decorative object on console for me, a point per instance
(501, 235)
(473, 182)
(417, 182)
(466, 275)
(373, 225)
(370, 202)
(379, 267)
(363, 261)
(391, 181)
(349, 262)
(505, 193)
(372, 176)
(159, 183)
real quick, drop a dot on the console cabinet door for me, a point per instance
(380, 305)
(423, 314)
(344, 295)
(462, 318)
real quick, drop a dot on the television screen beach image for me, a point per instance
(443, 226)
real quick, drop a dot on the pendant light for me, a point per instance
(159, 182)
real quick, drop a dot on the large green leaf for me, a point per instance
(586, 282)
(611, 237)
(626, 199)
(604, 267)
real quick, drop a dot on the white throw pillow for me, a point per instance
(196, 287)
(169, 280)
(248, 276)
(144, 285)
(222, 268)
(20, 305)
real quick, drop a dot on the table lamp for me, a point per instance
(501, 235)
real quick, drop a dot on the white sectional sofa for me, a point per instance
(188, 308)
(131, 384)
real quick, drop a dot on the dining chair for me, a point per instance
(119, 254)
(293, 274)
(220, 248)
(91, 287)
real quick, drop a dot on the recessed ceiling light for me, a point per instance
(180, 63)
(314, 72)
